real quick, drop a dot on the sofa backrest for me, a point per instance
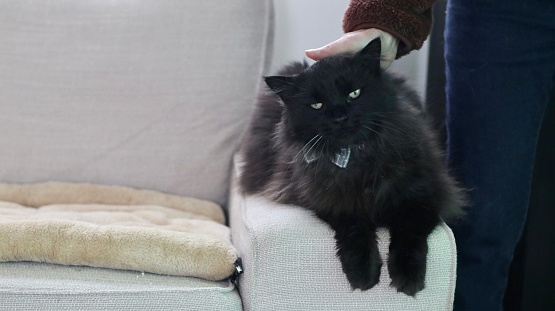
(144, 93)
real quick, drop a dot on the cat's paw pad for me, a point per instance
(407, 275)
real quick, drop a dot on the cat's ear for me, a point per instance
(278, 84)
(370, 55)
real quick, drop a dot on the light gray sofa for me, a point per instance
(154, 94)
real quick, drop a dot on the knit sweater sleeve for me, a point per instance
(408, 20)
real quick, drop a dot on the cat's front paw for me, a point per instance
(407, 272)
(364, 278)
(363, 272)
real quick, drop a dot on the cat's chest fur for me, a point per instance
(362, 186)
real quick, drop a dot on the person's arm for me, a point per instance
(410, 21)
(402, 26)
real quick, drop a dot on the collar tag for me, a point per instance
(341, 158)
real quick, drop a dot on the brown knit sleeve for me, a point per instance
(408, 20)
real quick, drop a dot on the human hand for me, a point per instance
(355, 41)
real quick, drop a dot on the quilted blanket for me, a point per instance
(114, 227)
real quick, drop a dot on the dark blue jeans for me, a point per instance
(500, 59)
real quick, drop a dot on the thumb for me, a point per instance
(389, 49)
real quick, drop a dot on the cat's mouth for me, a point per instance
(345, 137)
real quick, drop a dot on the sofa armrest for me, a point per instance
(290, 264)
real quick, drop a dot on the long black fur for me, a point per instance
(395, 177)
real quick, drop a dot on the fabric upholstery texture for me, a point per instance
(290, 263)
(26, 286)
(150, 93)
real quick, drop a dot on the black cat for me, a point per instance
(353, 144)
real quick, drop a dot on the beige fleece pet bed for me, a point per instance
(114, 227)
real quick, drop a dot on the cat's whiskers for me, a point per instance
(314, 144)
(325, 142)
(318, 136)
(378, 141)
(391, 126)
(288, 168)
(310, 145)
(366, 138)
(386, 140)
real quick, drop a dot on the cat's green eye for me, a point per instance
(354, 94)
(316, 106)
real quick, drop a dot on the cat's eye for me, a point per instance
(316, 106)
(354, 94)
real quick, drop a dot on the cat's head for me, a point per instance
(336, 100)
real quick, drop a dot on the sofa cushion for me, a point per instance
(151, 94)
(34, 286)
(114, 227)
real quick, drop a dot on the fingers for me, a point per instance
(349, 43)
(354, 41)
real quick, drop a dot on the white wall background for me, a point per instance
(306, 24)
